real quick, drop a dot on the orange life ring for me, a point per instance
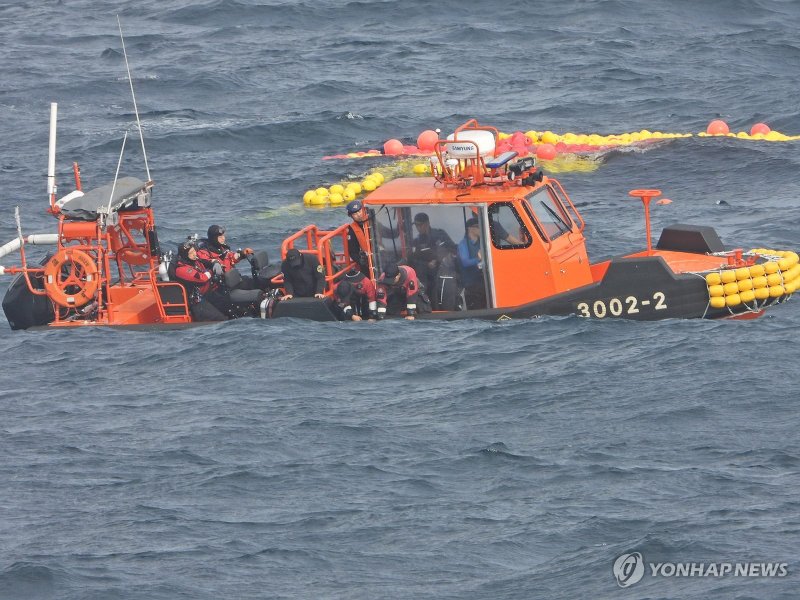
(70, 278)
(133, 255)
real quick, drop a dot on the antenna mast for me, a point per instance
(51, 163)
(133, 95)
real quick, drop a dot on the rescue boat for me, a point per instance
(107, 267)
(533, 252)
(103, 268)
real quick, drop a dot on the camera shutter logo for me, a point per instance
(628, 568)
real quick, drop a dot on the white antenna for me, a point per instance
(133, 95)
(51, 163)
(116, 175)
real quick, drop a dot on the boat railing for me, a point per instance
(173, 305)
(320, 243)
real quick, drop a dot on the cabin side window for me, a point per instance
(396, 229)
(390, 234)
(508, 232)
(443, 244)
(545, 209)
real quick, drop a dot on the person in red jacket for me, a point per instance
(355, 298)
(200, 283)
(215, 249)
(399, 283)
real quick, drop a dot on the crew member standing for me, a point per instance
(430, 249)
(303, 276)
(471, 258)
(358, 235)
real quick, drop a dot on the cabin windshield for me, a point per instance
(545, 208)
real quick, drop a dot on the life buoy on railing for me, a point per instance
(70, 278)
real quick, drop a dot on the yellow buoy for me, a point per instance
(716, 290)
(760, 282)
(309, 196)
(319, 200)
(791, 274)
(368, 185)
(785, 264)
(349, 195)
(322, 191)
(770, 267)
(761, 293)
(733, 300)
(775, 291)
(745, 284)
(717, 302)
(727, 276)
(747, 296)
(379, 176)
(757, 270)
(731, 288)
(336, 199)
(420, 169)
(355, 186)
(774, 279)
(337, 189)
(742, 273)
(548, 137)
(713, 279)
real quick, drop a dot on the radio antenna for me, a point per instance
(133, 95)
(116, 175)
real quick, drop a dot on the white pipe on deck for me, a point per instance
(36, 239)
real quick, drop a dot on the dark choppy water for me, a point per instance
(425, 460)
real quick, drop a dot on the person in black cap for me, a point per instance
(200, 283)
(358, 235)
(471, 258)
(399, 284)
(355, 297)
(303, 276)
(429, 250)
(214, 248)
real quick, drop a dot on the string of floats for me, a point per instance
(567, 151)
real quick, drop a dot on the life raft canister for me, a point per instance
(70, 278)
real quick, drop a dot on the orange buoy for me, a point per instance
(761, 128)
(427, 140)
(393, 147)
(546, 151)
(717, 127)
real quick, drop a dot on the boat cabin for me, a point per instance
(520, 225)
